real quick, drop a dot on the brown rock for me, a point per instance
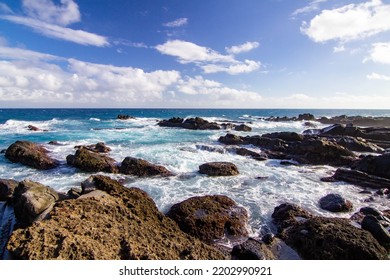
(30, 154)
(92, 162)
(142, 168)
(7, 188)
(210, 217)
(219, 169)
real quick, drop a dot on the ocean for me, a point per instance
(182, 151)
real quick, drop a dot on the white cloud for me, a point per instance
(246, 47)
(59, 32)
(208, 60)
(380, 53)
(177, 23)
(350, 22)
(376, 76)
(45, 10)
(23, 54)
(5, 9)
(311, 7)
(338, 49)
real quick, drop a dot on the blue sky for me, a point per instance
(195, 54)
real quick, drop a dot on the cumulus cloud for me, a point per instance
(176, 23)
(311, 7)
(376, 76)
(350, 22)
(246, 47)
(65, 13)
(380, 53)
(210, 61)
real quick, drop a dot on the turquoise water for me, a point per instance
(181, 152)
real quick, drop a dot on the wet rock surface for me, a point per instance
(89, 161)
(119, 223)
(7, 188)
(210, 217)
(335, 203)
(219, 169)
(143, 168)
(190, 123)
(30, 154)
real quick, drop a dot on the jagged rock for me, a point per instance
(372, 224)
(99, 147)
(124, 117)
(90, 161)
(210, 217)
(332, 239)
(30, 154)
(252, 250)
(335, 203)
(287, 214)
(31, 199)
(361, 179)
(191, 123)
(375, 165)
(7, 188)
(219, 169)
(123, 224)
(243, 127)
(252, 154)
(142, 168)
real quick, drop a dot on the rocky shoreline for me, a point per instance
(105, 220)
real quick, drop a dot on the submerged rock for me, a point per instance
(143, 168)
(210, 217)
(219, 169)
(30, 154)
(122, 224)
(335, 203)
(89, 161)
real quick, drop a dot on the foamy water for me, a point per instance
(260, 186)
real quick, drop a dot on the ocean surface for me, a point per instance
(181, 151)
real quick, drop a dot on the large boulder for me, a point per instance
(122, 224)
(252, 249)
(360, 178)
(7, 187)
(219, 169)
(285, 136)
(31, 199)
(335, 203)
(210, 217)
(287, 214)
(30, 154)
(99, 147)
(375, 165)
(243, 127)
(89, 161)
(143, 168)
(190, 123)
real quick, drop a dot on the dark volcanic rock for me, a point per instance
(124, 117)
(92, 162)
(231, 139)
(122, 223)
(375, 165)
(31, 199)
(219, 169)
(285, 136)
(252, 250)
(332, 239)
(30, 154)
(371, 224)
(142, 168)
(361, 179)
(210, 217)
(243, 127)
(286, 215)
(335, 203)
(7, 188)
(191, 123)
(245, 152)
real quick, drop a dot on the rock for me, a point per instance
(287, 214)
(191, 123)
(210, 217)
(361, 179)
(332, 239)
(124, 117)
(90, 161)
(252, 250)
(7, 188)
(358, 144)
(74, 193)
(33, 128)
(243, 127)
(219, 169)
(306, 117)
(245, 152)
(143, 168)
(285, 136)
(268, 238)
(99, 147)
(335, 203)
(31, 199)
(231, 139)
(30, 154)
(371, 224)
(55, 143)
(123, 224)
(375, 165)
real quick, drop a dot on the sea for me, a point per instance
(259, 188)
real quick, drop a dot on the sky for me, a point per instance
(195, 54)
